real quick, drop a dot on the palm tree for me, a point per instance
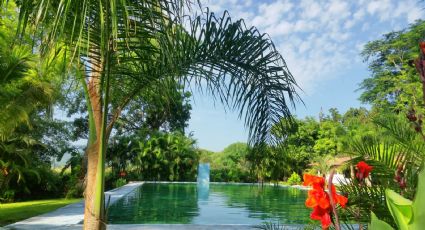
(22, 89)
(26, 87)
(122, 47)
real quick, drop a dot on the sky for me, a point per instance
(321, 42)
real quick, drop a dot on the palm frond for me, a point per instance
(238, 65)
(394, 149)
(404, 134)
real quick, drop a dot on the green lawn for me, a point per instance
(10, 213)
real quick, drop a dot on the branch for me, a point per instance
(118, 110)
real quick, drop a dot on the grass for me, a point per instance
(13, 212)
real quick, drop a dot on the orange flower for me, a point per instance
(363, 170)
(339, 199)
(319, 199)
(315, 181)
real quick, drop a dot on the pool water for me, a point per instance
(174, 203)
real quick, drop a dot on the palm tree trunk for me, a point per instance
(93, 219)
(90, 219)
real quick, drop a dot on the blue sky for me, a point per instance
(320, 41)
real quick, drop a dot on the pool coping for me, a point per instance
(72, 216)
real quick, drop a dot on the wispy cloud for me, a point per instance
(320, 40)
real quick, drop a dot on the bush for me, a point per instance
(120, 182)
(74, 187)
(294, 179)
(43, 184)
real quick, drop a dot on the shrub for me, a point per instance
(294, 179)
(120, 182)
(74, 186)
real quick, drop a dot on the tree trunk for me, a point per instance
(91, 222)
(92, 219)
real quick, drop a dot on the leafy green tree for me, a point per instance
(231, 164)
(27, 92)
(168, 111)
(328, 141)
(267, 162)
(335, 115)
(307, 141)
(167, 157)
(25, 83)
(394, 83)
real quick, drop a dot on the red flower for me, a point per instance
(363, 170)
(123, 174)
(319, 199)
(422, 46)
(322, 215)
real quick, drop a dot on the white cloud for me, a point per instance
(359, 14)
(409, 9)
(283, 28)
(382, 8)
(270, 14)
(339, 8)
(349, 24)
(310, 9)
(320, 39)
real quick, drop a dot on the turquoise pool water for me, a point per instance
(173, 203)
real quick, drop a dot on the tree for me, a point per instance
(27, 90)
(25, 83)
(230, 164)
(167, 156)
(329, 138)
(168, 111)
(122, 47)
(394, 83)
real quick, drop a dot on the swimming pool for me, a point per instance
(183, 203)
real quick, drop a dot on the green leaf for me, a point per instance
(418, 206)
(400, 208)
(377, 224)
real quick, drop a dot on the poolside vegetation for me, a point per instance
(130, 102)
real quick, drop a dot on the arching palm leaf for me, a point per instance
(238, 65)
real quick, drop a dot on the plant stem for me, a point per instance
(331, 175)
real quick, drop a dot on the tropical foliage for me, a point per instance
(124, 71)
(167, 157)
(229, 165)
(407, 214)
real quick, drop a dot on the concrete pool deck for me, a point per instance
(71, 217)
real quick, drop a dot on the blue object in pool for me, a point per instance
(204, 173)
